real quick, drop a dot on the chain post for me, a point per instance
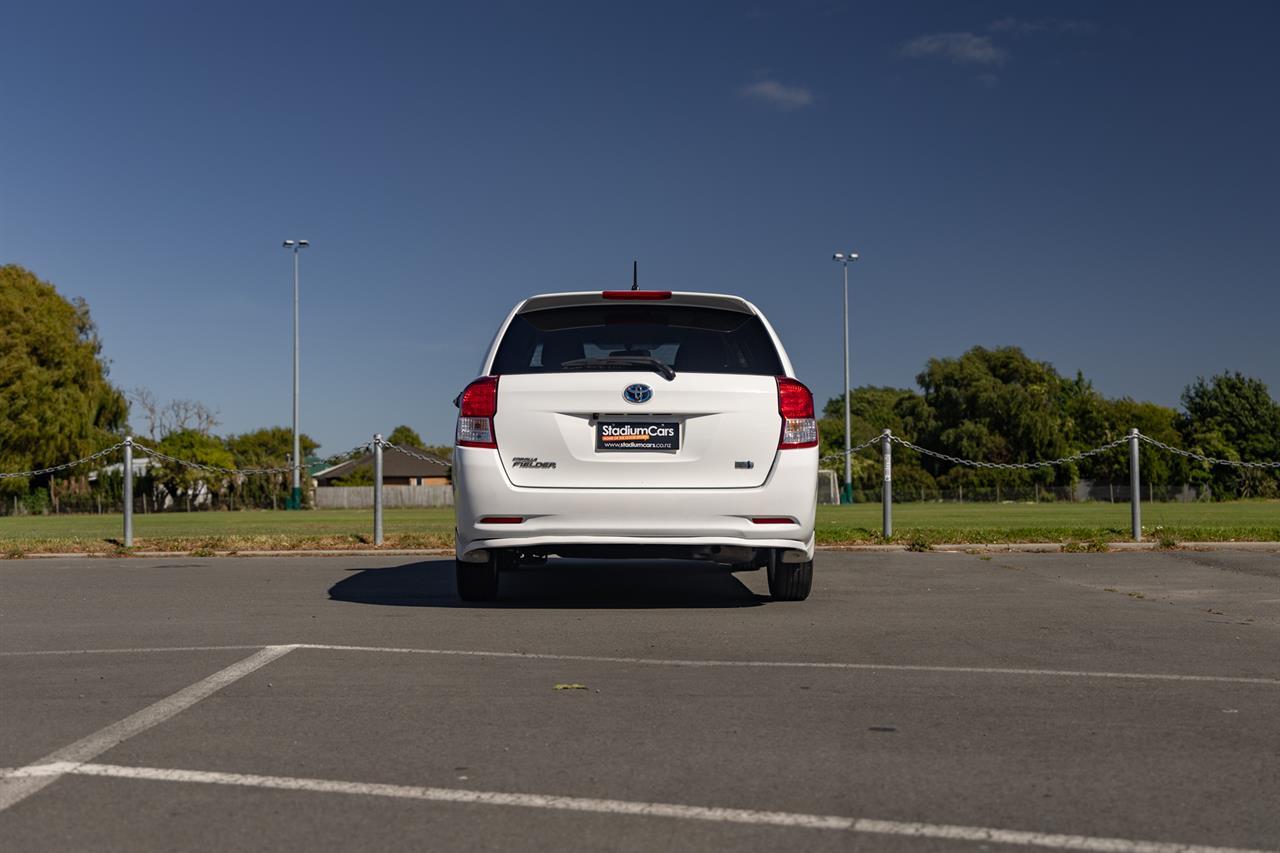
(128, 491)
(377, 489)
(886, 496)
(1135, 491)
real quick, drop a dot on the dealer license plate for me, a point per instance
(637, 435)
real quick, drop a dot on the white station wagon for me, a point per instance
(636, 424)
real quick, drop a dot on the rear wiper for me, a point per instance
(609, 363)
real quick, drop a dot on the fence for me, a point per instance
(393, 497)
(1084, 491)
(1134, 439)
(886, 440)
(377, 492)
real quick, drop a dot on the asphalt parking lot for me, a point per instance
(917, 701)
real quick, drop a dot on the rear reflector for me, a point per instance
(795, 404)
(502, 519)
(773, 520)
(636, 294)
(476, 408)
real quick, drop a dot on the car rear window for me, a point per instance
(683, 337)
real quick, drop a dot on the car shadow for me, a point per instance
(559, 583)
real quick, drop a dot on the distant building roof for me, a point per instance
(394, 464)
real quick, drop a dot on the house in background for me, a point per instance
(397, 470)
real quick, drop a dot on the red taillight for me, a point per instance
(795, 404)
(773, 520)
(636, 294)
(476, 408)
(480, 399)
(502, 519)
(794, 400)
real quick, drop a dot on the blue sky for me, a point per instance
(1098, 183)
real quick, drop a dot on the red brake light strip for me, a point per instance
(641, 295)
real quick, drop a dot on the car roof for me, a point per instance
(722, 301)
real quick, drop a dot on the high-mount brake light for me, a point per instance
(636, 294)
(795, 404)
(477, 406)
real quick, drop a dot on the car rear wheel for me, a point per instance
(789, 581)
(479, 581)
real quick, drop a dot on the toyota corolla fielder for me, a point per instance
(636, 423)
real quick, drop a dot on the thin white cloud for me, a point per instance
(964, 48)
(778, 95)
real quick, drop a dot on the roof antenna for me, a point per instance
(635, 281)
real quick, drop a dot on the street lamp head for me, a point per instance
(305, 243)
(288, 244)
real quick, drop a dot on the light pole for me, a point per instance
(847, 495)
(295, 499)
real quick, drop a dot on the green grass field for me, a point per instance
(914, 523)
(323, 522)
(939, 523)
(228, 531)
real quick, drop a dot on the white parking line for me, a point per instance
(129, 651)
(17, 786)
(764, 664)
(885, 667)
(949, 832)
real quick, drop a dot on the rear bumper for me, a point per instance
(616, 518)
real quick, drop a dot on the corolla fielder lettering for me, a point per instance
(718, 462)
(530, 462)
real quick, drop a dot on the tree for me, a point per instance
(871, 410)
(443, 452)
(1232, 416)
(56, 404)
(269, 447)
(173, 416)
(190, 445)
(403, 436)
(999, 406)
(1114, 420)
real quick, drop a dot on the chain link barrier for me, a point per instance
(414, 455)
(359, 448)
(1011, 466)
(1209, 459)
(64, 467)
(851, 450)
(902, 442)
(217, 469)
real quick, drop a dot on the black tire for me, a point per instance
(477, 581)
(789, 581)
